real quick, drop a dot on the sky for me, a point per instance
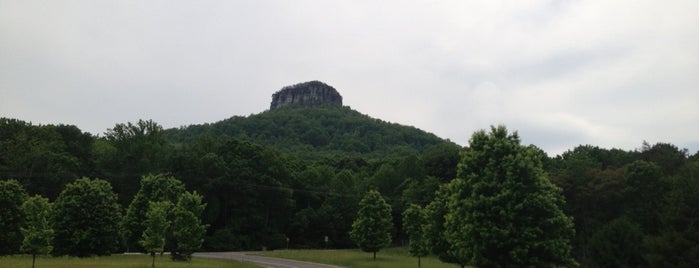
(561, 73)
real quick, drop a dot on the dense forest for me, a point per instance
(300, 172)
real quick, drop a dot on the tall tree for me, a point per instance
(12, 195)
(505, 212)
(414, 222)
(187, 228)
(156, 222)
(372, 228)
(86, 219)
(38, 233)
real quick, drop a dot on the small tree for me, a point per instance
(187, 227)
(372, 228)
(153, 238)
(38, 233)
(414, 221)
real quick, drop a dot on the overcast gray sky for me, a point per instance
(561, 73)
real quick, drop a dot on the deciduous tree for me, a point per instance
(86, 219)
(187, 228)
(372, 228)
(504, 211)
(12, 195)
(38, 233)
(414, 221)
(156, 222)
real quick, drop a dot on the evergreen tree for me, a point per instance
(12, 195)
(38, 233)
(85, 219)
(414, 221)
(156, 222)
(372, 228)
(504, 211)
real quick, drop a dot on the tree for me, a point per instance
(504, 211)
(85, 219)
(156, 222)
(372, 228)
(414, 221)
(188, 230)
(38, 233)
(677, 244)
(435, 230)
(154, 188)
(12, 195)
(617, 244)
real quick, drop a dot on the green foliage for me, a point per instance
(43, 158)
(156, 222)
(188, 230)
(318, 132)
(617, 244)
(677, 244)
(372, 228)
(154, 188)
(414, 224)
(435, 230)
(504, 211)
(129, 151)
(12, 196)
(38, 233)
(85, 219)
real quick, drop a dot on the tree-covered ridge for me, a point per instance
(317, 132)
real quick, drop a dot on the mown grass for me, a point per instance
(354, 258)
(116, 261)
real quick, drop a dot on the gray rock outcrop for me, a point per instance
(306, 94)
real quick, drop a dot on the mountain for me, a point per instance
(309, 119)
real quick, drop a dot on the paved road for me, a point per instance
(262, 261)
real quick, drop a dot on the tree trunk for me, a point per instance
(418, 262)
(374, 255)
(33, 259)
(152, 265)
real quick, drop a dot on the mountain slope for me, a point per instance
(317, 131)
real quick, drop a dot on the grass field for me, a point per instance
(116, 261)
(354, 258)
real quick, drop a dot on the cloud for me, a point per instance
(562, 73)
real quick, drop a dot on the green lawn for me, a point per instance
(116, 261)
(354, 258)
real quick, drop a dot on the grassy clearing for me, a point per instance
(116, 261)
(354, 258)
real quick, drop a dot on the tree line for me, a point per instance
(259, 194)
(86, 219)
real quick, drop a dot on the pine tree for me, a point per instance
(372, 228)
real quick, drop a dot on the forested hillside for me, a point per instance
(323, 131)
(300, 172)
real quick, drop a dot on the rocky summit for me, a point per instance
(306, 94)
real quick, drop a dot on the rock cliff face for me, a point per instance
(306, 94)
